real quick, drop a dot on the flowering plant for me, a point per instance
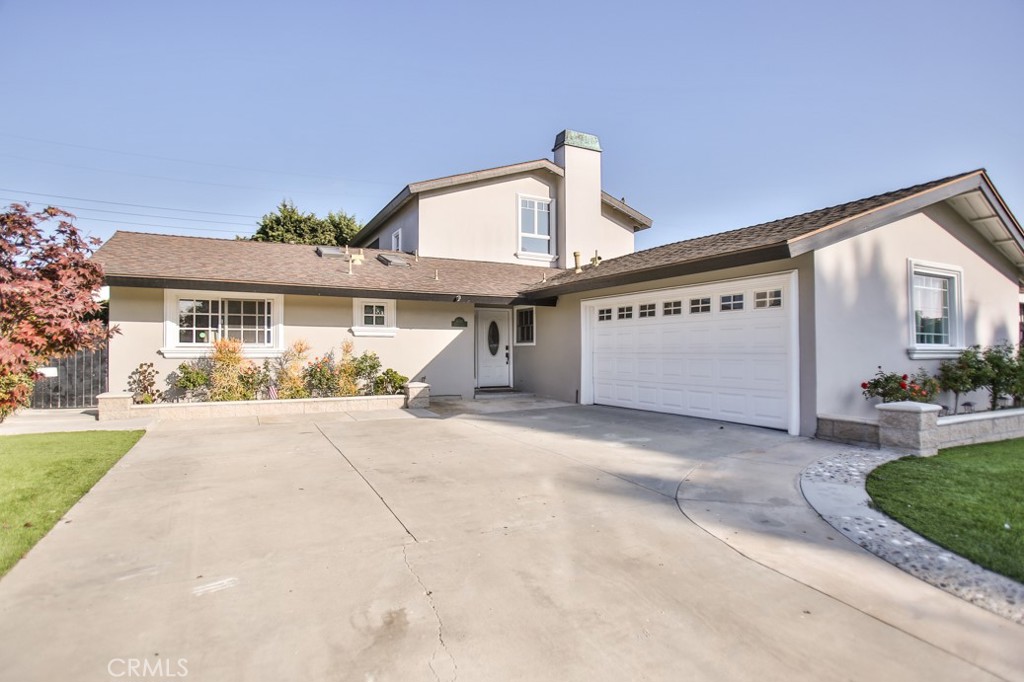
(892, 387)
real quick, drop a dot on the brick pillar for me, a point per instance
(114, 405)
(908, 427)
(417, 394)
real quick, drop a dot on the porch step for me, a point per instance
(500, 393)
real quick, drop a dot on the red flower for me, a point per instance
(903, 385)
(864, 385)
(905, 377)
(924, 392)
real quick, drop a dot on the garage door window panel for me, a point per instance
(768, 299)
(700, 305)
(729, 302)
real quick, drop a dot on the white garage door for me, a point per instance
(724, 350)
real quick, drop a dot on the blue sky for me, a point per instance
(712, 115)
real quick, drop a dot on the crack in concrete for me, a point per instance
(437, 616)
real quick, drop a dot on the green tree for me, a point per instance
(46, 296)
(288, 225)
(964, 374)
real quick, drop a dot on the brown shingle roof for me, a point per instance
(777, 233)
(140, 259)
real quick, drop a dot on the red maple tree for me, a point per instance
(47, 307)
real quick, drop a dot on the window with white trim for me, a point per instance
(700, 305)
(193, 320)
(936, 314)
(525, 327)
(768, 299)
(648, 309)
(731, 302)
(373, 317)
(535, 222)
(605, 314)
(625, 312)
(396, 240)
(672, 308)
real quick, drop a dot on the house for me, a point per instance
(526, 276)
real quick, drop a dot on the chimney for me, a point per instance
(578, 211)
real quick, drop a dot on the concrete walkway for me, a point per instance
(531, 544)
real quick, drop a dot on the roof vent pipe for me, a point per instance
(576, 255)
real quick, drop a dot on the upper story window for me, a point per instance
(535, 226)
(396, 240)
(936, 315)
(193, 320)
(372, 317)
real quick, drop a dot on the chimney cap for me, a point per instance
(573, 138)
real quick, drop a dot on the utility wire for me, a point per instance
(155, 177)
(119, 203)
(169, 227)
(200, 163)
(141, 215)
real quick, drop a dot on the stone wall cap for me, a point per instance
(417, 384)
(907, 406)
(116, 394)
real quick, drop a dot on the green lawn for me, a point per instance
(43, 475)
(969, 499)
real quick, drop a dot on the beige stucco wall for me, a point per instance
(426, 345)
(552, 367)
(862, 304)
(480, 221)
(139, 315)
(407, 220)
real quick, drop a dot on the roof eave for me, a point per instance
(771, 252)
(307, 290)
(869, 220)
(416, 188)
(642, 221)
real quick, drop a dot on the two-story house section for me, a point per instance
(532, 213)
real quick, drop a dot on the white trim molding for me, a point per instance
(389, 327)
(175, 350)
(551, 255)
(955, 298)
(533, 325)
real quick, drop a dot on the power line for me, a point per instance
(142, 215)
(150, 224)
(119, 203)
(153, 177)
(200, 163)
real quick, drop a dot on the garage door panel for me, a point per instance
(731, 365)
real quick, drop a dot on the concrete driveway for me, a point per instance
(569, 543)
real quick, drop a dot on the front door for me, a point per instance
(493, 348)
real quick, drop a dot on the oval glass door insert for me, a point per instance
(492, 338)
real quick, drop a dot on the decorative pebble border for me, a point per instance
(904, 548)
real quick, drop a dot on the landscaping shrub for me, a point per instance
(227, 366)
(227, 375)
(192, 379)
(389, 382)
(1001, 375)
(892, 387)
(287, 382)
(142, 384)
(965, 374)
(321, 377)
